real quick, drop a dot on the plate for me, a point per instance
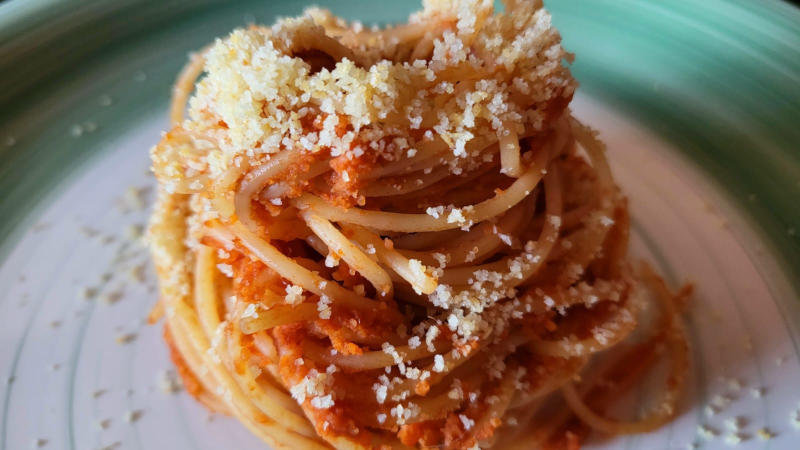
(698, 102)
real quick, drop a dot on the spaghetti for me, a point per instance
(400, 238)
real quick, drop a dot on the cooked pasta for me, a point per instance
(401, 238)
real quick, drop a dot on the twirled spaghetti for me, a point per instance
(399, 238)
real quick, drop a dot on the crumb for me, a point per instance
(136, 273)
(765, 433)
(87, 293)
(168, 382)
(735, 438)
(132, 416)
(736, 423)
(706, 431)
(134, 198)
(112, 297)
(125, 338)
(134, 232)
(720, 402)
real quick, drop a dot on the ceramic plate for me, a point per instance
(699, 103)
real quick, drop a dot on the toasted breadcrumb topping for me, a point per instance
(264, 87)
